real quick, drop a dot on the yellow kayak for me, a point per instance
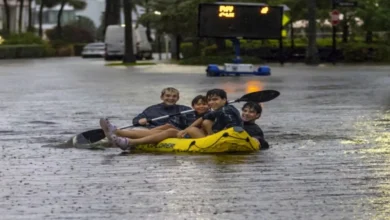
(234, 139)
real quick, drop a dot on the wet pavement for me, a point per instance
(329, 133)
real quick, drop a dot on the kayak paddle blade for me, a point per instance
(260, 96)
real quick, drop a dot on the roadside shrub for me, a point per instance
(78, 48)
(361, 52)
(70, 34)
(189, 50)
(23, 38)
(23, 51)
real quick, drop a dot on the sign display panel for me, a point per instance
(240, 20)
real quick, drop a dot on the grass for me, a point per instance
(120, 63)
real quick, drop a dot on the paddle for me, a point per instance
(95, 135)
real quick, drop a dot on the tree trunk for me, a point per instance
(20, 22)
(148, 31)
(7, 18)
(40, 17)
(59, 16)
(345, 32)
(111, 13)
(312, 51)
(177, 42)
(30, 21)
(129, 53)
(369, 37)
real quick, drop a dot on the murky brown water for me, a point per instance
(329, 133)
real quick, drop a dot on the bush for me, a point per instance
(84, 23)
(65, 51)
(25, 51)
(70, 34)
(362, 52)
(78, 48)
(23, 38)
(189, 50)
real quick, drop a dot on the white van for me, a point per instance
(115, 42)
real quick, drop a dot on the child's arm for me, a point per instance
(196, 123)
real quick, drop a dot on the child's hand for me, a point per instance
(181, 134)
(143, 121)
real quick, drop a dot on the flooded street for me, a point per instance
(329, 135)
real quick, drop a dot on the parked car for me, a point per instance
(93, 50)
(115, 45)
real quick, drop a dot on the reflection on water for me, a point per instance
(238, 86)
(374, 137)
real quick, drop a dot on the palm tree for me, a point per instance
(312, 57)
(129, 53)
(7, 17)
(76, 4)
(112, 13)
(21, 4)
(30, 21)
(42, 4)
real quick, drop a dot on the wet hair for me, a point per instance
(199, 98)
(216, 92)
(253, 105)
(169, 89)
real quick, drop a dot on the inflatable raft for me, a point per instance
(234, 139)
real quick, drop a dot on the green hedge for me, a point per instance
(268, 49)
(23, 38)
(25, 51)
(361, 52)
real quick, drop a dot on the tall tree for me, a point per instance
(76, 4)
(30, 19)
(312, 57)
(43, 4)
(7, 17)
(112, 13)
(21, 5)
(129, 52)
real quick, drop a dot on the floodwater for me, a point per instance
(329, 132)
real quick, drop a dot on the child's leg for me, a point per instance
(195, 132)
(155, 138)
(126, 143)
(135, 133)
(207, 127)
(163, 127)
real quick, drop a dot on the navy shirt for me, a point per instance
(189, 119)
(161, 109)
(225, 117)
(255, 131)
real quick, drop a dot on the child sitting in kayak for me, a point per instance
(169, 97)
(124, 139)
(223, 116)
(251, 111)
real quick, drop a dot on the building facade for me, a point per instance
(14, 16)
